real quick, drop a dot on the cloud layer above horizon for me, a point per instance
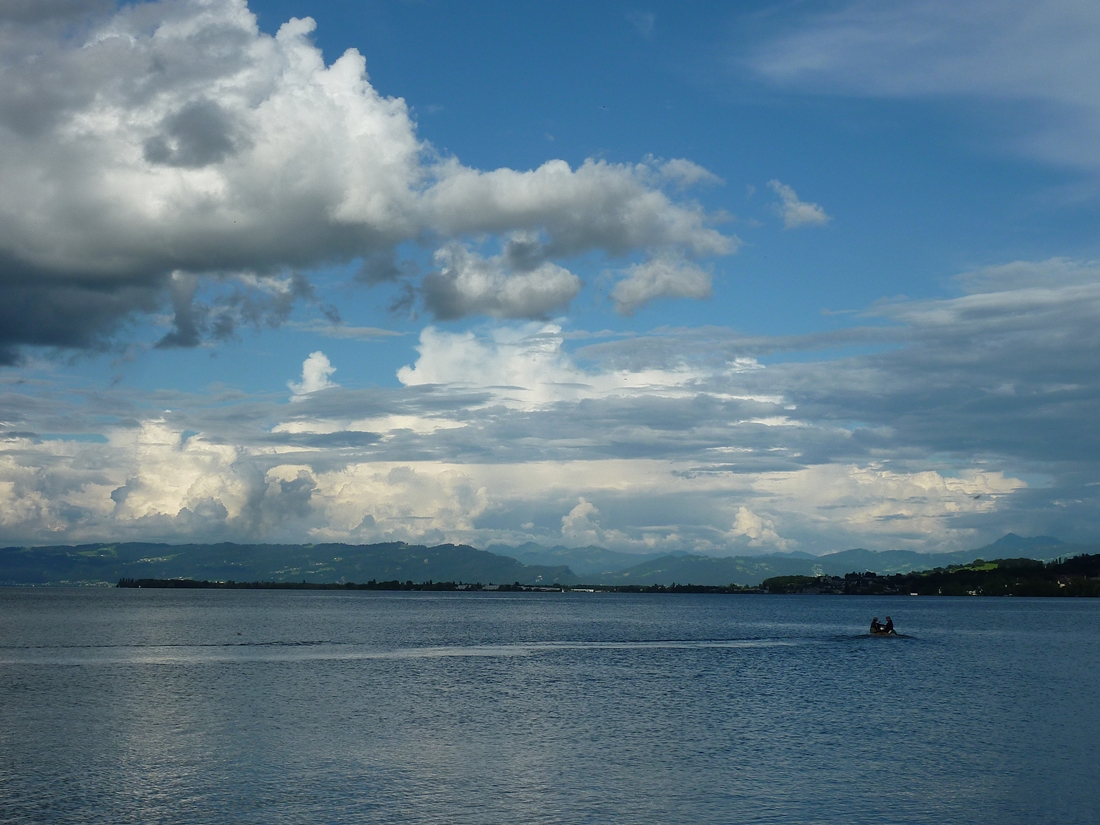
(679, 440)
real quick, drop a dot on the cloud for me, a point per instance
(664, 277)
(795, 212)
(597, 206)
(759, 531)
(170, 475)
(387, 502)
(154, 482)
(513, 359)
(581, 526)
(230, 302)
(527, 367)
(382, 266)
(175, 138)
(939, 424)
(684, 172)
(1039, 54)
(201, 133)
(467, 284)
(316, 370)
(340, 330)
(1053, 273)
(39, 11)
(875, 502)
(152, 149)
(1005, 371)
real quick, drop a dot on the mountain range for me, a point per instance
(500, 564)
(751, 570)
(98, 563)
(596, 565)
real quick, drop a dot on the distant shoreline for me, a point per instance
(1075, 577)
(450, 566)
(457, 568)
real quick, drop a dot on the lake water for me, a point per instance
(160, 706)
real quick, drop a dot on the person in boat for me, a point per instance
(889, 626)
(876, 625)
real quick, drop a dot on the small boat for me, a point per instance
(878, 629)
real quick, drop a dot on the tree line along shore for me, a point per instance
(1077, 576)
(431, 586)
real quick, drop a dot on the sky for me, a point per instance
(727, 278)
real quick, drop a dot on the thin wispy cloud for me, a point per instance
(345, 331)
(1041, 55)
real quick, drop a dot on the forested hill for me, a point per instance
(752, 570)
(107, 563)
(597, 565)
(1077, 576)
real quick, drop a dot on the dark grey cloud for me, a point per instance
(324, 441)
(72, 313)
(383, 267)
(468, 284)
(1003, 372)
(199, 134)
(255, 303)
(43, 11)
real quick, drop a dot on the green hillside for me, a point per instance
(1076, 576)
(584, 561)
(752, 570)
(107, 563)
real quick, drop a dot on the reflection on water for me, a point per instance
(276, 707)
(313, 650)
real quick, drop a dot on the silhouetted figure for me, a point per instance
(876, 626)
(889, 626)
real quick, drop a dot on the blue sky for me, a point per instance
(729, 278)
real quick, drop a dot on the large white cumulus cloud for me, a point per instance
(191, 141)
(156, 482)
(176, 137)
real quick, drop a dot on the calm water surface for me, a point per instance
(127, 706)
